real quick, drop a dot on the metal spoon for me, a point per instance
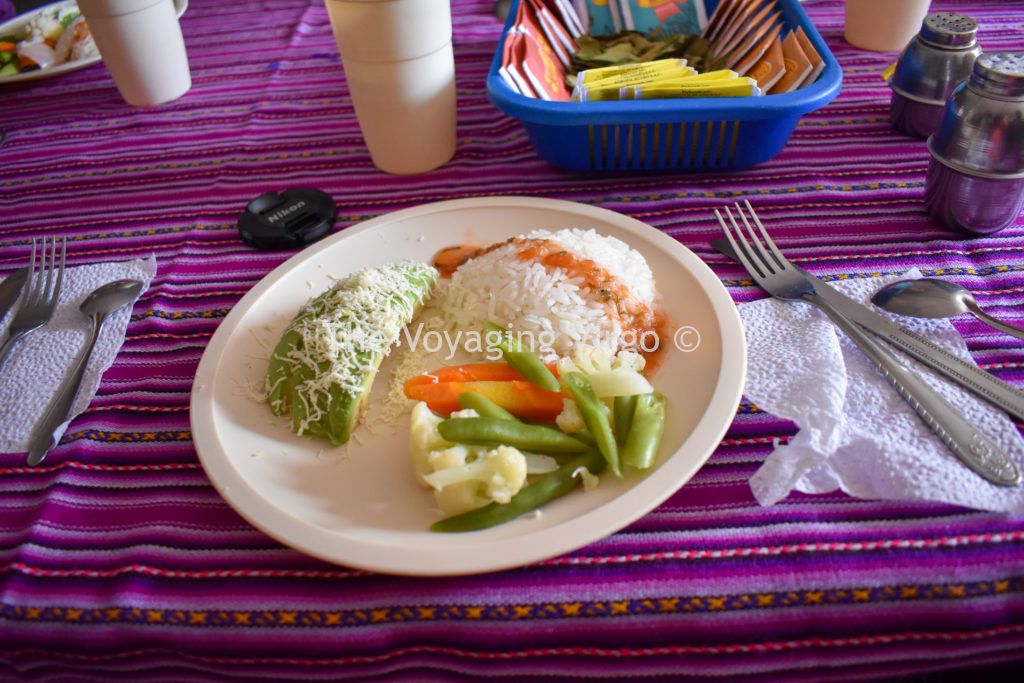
(931, 298)
(98, 305)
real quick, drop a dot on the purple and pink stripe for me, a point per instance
(118, 559)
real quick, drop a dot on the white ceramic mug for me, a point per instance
(883, 25)
(142, 46)
(400, 68)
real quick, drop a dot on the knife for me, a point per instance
(982, 384)
(10, 290)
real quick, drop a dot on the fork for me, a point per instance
(42, 287)
(776, 275)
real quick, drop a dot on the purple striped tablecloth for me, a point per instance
(118, 559)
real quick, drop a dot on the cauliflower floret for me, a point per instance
(629, 360)
(455, 496)
(610, 376)
(591, 359)
(423, 439)
(495, 474)
(463, 477)
(589, 479)
(570, 420)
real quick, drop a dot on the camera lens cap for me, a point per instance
(287, 219)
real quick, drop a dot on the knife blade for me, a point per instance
(10, 290)
(982, 384)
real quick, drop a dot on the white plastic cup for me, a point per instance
(142, 46)
(400, 68)
(883, 25)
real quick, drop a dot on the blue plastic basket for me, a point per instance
(679, 134)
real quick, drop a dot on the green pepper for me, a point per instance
(622, 413)
(484, 407)
(645, 434)
(547, 488)
(594, 416)
(525, 361)
(495, 431)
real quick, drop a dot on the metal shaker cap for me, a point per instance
(949, 29)
(1000, 74)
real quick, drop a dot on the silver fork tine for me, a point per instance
(773, 248)
(30, 280)
(47, 286)
(56, 272)
(752, 245)
(741, 252)
(758, 248)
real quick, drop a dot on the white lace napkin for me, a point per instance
(856, 433)
(34, 370)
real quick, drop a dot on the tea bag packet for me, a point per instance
(541, 62)
(798, 66)
(757, 51)
(721, 17)
(670, 16)
(631, 74)
(512, 56)
(562, 44)
(721, 83)
(748, 35)
(817, 63)
(730, 87)
(541, 68)
(568, 16)
(604, 83)
(739, 25)
(600, 19)
(770, 69)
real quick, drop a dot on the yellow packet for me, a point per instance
(622, 80)
(597, 93)
(739, 87)
(719, 75)
(640, 70)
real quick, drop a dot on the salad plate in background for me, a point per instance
(54, 36)
(360, 505)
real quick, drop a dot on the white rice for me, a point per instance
(551, 311)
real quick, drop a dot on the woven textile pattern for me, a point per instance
(119, 560)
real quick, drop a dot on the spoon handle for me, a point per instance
(973, 448)
(984, 317)
(54, 421)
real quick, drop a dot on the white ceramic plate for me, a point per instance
(15, 25)
(361, 507)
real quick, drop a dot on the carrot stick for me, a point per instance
(7, 47)
(498, 371)
(519, 397)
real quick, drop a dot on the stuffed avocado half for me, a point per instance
(323, 367)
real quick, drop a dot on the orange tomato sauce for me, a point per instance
(635, 316)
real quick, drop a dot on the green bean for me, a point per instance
(547, 488)
(494, 431)
(484, 406)
(525, 361)
(595, 417)
(622, 413)
(645, 435)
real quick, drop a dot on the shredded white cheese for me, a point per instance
(345, 332)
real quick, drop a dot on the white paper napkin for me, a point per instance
(38, 364)
(856, 433)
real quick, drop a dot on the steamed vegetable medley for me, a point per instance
(481, 460)
(492, 440)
